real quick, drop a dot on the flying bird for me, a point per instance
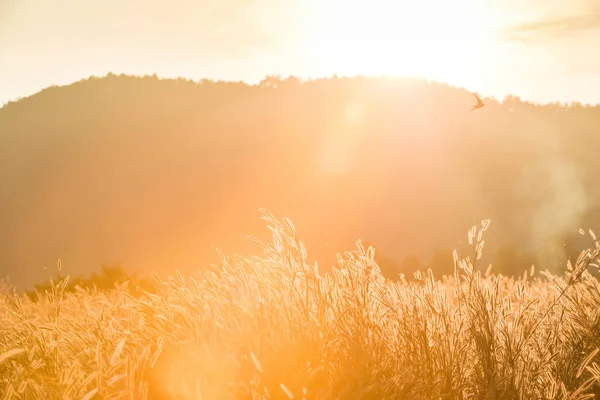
(479, 104)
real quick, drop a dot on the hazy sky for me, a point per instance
(541, 50)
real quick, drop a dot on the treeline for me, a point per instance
(108, 277)
(507, 261)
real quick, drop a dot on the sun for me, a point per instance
(434, 39)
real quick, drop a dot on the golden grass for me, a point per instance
(274, 327)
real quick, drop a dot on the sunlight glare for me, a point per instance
(353, 113)
(341, 145)
(432, 39)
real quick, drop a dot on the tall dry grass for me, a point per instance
(274, 327)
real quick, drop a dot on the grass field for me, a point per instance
(274, 327)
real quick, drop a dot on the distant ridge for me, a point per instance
(155, 174)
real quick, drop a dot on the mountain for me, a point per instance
(156, 174)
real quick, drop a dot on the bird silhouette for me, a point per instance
(479, 104)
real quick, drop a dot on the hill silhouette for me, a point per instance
(156, 174)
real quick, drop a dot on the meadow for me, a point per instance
(273, 326)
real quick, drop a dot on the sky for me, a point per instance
(540, 50)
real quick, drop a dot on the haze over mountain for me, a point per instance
(155, 174)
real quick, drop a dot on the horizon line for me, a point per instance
(302, 79)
